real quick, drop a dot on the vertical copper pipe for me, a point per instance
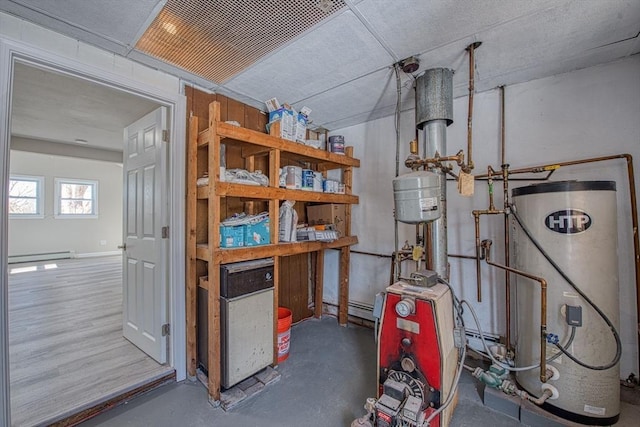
(507, 248)
(490, 171)
(636, 239)
(505, 198)
(471, 49)
(502, 119)
(476, 217)
(428, 238)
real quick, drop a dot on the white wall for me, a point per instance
(83, 236)
(21, 39)
(585, 113)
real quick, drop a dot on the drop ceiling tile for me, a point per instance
(106, 23)
(522, 49)
(335, 53)
(583, 60)
(359, 101)
(410, 27)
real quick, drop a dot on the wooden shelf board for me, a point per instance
(226, 256)
(227, 189)
(289, 149)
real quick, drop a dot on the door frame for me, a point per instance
(12, 51)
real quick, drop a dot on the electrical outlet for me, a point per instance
(103, 243)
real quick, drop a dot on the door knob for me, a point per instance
(123, 247)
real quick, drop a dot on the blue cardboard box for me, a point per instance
(232, 236)
(257, 234)
(287, 122)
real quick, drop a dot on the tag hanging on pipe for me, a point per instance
(466, 184)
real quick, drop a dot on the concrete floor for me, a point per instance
(329, 374)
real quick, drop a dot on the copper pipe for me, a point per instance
(476, 217)
(471, 49)
(490, 172)
(502, 121)
(505, 199)
(507, 261)
(429, 246)
(486, 246)
(412, 162)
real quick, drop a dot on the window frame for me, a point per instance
(39, 196)
(58, 198)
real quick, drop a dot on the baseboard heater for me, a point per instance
(14, 259)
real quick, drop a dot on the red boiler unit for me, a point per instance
(417, 357)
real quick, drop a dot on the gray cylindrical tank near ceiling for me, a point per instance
(434, 97)
(576, 223)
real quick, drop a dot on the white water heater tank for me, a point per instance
(575, 222)
(417, 197)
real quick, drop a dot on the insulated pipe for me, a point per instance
(397, 123)
(436, 137)
(434, 112)
(486, 246)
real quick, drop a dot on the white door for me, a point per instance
(145, 250)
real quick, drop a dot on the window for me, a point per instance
(25, 196)
(76, 198)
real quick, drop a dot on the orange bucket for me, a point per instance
(284, 333)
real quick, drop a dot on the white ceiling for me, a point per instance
(343, 67)
(60, 108)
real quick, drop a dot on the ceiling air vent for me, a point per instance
(218, 39)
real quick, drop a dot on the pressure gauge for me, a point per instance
(405, 307)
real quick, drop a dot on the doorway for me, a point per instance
(15, 55)
(66, 316)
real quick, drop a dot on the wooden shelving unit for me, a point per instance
(203, 221)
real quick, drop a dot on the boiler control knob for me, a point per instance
(405, 307)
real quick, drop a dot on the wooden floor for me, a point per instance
(66, 348)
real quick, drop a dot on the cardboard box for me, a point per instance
(301, 128)
(330, 213)
(284, 116)
(257, 234)
(232, 236)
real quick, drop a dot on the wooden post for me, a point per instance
(274, 221)
(343, 296)
(318, 297)
(192, 279)
(214, 245)
(345, 252)
(276, 291)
